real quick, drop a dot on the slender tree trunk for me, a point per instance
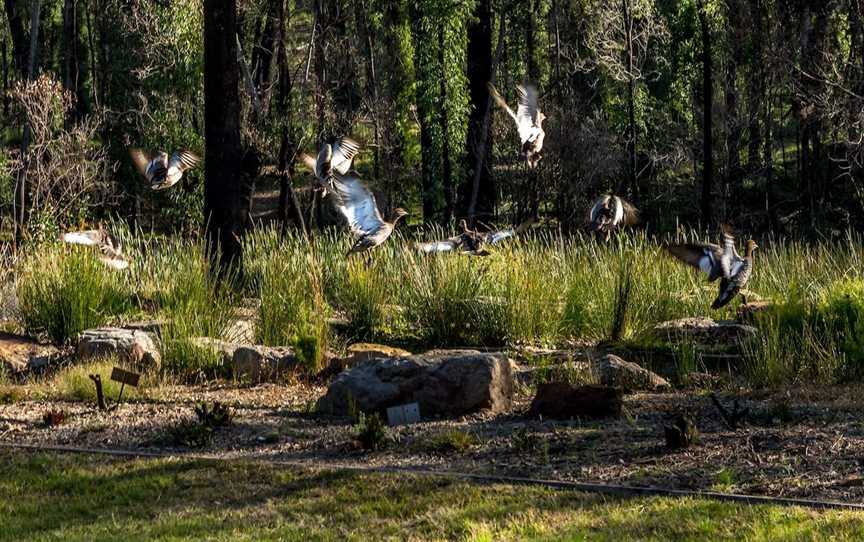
(22, 188)
(446, 166)
(225, 193)
(15, 19)
(478, 193)
(631, 99)
(707, 117)
(5, 79)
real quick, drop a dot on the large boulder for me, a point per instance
(131, 346)
(224, 349)
(614, 371)
(703, 330)
(564, 401)
(360, 352)
(19, 353)
(258, 364)
(443, 382)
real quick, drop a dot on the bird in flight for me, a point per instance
(335, 158)
(609, 213)
(109, 247)
(161, 170)
(529, 121)
(717, 262)
(357, 204)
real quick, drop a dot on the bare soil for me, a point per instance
(799, 443)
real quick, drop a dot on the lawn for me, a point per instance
(79, 497)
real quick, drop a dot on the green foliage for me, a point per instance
(63, 290)
(371, 432)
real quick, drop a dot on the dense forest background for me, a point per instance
(699, 111)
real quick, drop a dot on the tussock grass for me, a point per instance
(72, 383)
(63, 290)
(544, 288)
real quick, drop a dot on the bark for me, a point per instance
(72, 79)
(14, 9)
(478, 194)
(734, 171)
(226, 188)
(446, 166)
(21, 185)
(631, 97)
(707, 118)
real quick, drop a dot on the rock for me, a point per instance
(241, 332)
(443, 382)
(563, 401)
(262, 363)
(360, 352)
(704, 330)
(130, 346)
(614, 371)
(149, 326)
(19, 353)
(225, 348)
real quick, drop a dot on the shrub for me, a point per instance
(64, 290)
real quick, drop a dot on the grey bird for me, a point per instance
(357, 204)
(719, 262)
(335, 158)
(161, 170)
(472, 242)
(109, 247)
(529, 121)
(610, 213)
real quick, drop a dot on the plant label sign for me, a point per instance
(403, 414)
(125, 377)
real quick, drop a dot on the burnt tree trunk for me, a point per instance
(16, 29)
(707, 124)
(226, 187)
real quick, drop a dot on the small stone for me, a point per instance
(258, 364)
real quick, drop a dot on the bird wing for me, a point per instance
(494, 237)
(310, 162)
(357, 205)
(344, 152)
(631, 213)
(183, 160)
(141, 160)
(526, 113)
(599, 204)
(89, 238)
(500, 101)
(447, 245)
(696, 255)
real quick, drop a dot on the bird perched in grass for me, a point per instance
(719, 262)
(609, 213)
(357, 204)
(161, 170)
(109, 247)
(529, 121)
(335, 158)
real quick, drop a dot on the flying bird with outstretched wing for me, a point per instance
(357, 204)
(610, 213)
(161, 170)
(717, 262)
(335, 158)
(529, 122)
(109, 247)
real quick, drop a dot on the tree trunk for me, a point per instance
(446, 166)
(225, 190)
(71, 59)
(478, 190)
(631, 97)
(16, 29)
(707, 127)
(21, 185)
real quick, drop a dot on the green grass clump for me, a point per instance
(175, 279)
(294, 311)
(64, 290)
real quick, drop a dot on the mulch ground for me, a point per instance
(800, 443)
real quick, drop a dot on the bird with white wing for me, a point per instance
(109, 247)
(357, 204)
(161, 170)
(610, 213)
(529, 121)
(335, 158)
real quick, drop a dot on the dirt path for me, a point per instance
(801, 446)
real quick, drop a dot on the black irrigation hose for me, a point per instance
(585, 487)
